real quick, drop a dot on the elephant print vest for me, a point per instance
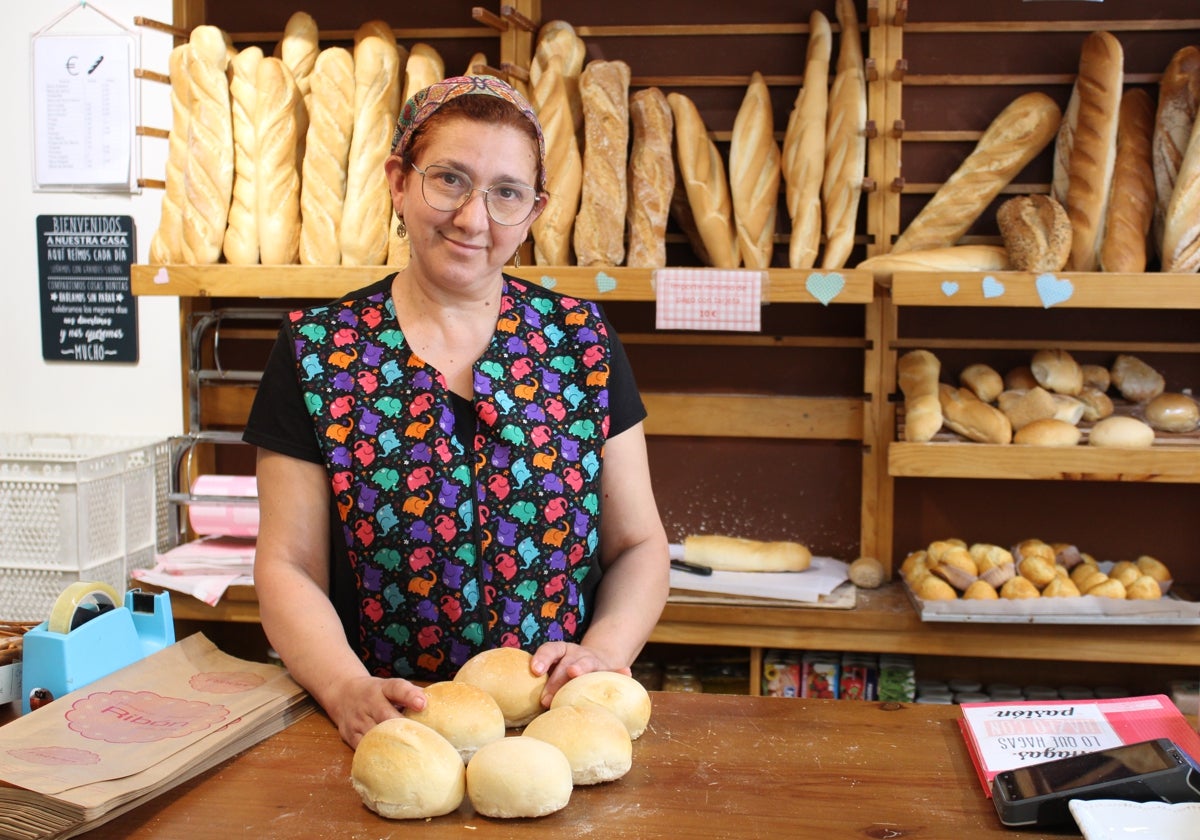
(457, 549)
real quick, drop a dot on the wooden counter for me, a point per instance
(709, 766)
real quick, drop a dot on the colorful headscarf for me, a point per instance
(424, 103)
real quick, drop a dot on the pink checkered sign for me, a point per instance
(708, 299)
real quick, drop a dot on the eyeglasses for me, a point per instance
(447, 189)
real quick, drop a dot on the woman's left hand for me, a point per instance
(563, 661)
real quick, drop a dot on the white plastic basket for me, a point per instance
(75, 507)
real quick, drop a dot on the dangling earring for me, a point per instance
(517, 259)
(401, 229)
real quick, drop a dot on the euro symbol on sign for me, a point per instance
(71, 65)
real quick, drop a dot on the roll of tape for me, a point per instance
(84, 594)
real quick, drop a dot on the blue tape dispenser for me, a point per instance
(90, 633)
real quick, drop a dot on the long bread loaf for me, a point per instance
(167, 244)
(1131, 202)
(754, 174)
(277, 175)
(917, 373)
(564, 167)
(1063, 143)
(558, 38)
(1094, 150)
(845, 142)
(702, 172)
(600, 226)
(326, 156)
(241, 236)
(651, 178)
(1181, 228)
(1014, 138)
(423, 67)
(208, 174)
(1178, 104)
(803, 156)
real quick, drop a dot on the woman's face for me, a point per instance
(464, 246)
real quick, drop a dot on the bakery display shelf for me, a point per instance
(1164, 463)
(594, 283)
(1064, 289)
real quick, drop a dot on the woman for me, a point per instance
(435, 450)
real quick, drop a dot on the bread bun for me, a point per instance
(464, 714)
(519, 777)
(1119, 431)
(1125, 571)
(1061, 587)
(1020, 378)
(1173, 412)
(594, 740)
(1096, 404)
(1019, 588)
(1057, 371)
(405, 770)
(957, 568)
(983, 381)
(937, 548)
(1136, 380)
(621, 694)
(971, 417)
(1107, 588)
(1048, 432)
(1096, 376)
(980, 590)
(1033, 548)
(1082, 574)
(1025, 406)
(1037, 570)
(1036, 232)
(505, 673)
(932, 588)
(1154, 567)
(866, 573)
(1143, 588)
(1068, 409)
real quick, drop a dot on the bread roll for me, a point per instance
(1061, 587)
(208, 172)
(1172, 412)
(1057, 371)
(980, 590)
(1107, 588)
(1096, 376)
(1143, 588)
(241, 236)
(702, 172)
(1037, 570)
(1023, 406)
(404, 770)
(1178, 102)
(423, 67)
(803, 156)
(1119, 431)
(506, 674)
(1049, 432)
(1096, 404)
(593, 739)
(933, 588)
(969, 416)
(754, 174)
(735, 554)
(1015, 137)
(277, 178)
(167, 244)
(845, 141)
(519, 777)
(866, 573)
(564, 167)
(1094, 150)
(1068, 409)
(1125, 571)
(1020, 378)
(464, 714)
(1131, 200)
(619, 693)
(1154, 567)
(651, 178)
(1181, 226)
(983, 381)
(954, 258)
(600, 225)
(326, 157)
(1036, 232)
(917, 375)
(1137, 381)
(367, 210)
(1019, 588)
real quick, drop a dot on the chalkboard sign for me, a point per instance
(88, 313)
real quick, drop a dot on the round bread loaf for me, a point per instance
(1123, 432)
(621, 694)
(1136, 380)
(519, 777)
(594, 740)
(404, 770)
(1057, 371)
(464, 714)
(1048, 432)
(506, 674)
(1173, 412)
(1036, 232)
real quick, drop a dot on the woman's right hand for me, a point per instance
(360, 703)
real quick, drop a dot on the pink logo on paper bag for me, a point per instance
(136, 717)
(226, 682)
(55, 756)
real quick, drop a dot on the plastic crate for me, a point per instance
(75, 507)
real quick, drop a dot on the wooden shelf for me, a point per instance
(1061, 290)
(1160, 463)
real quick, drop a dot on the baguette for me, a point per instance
(1181, 227)
(558, 38)
(1094, 150)
(298, 49)
(917, 375)
(167, 244)
(803, 156)
(702, 173)
(954, 258)
(734, 554)
(600, 226)
(845, 142)
(1015, 137)
(278, 179)
(564, 167)
(1062, 148)
(651, 178)
(208, 173)
(326, 157)
(241, 236)
(423, 68)
(971, 417)
(1178, 103)
(754, 174)
(1131, 200)
(367, 211)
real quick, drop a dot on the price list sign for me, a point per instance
(88, 313)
